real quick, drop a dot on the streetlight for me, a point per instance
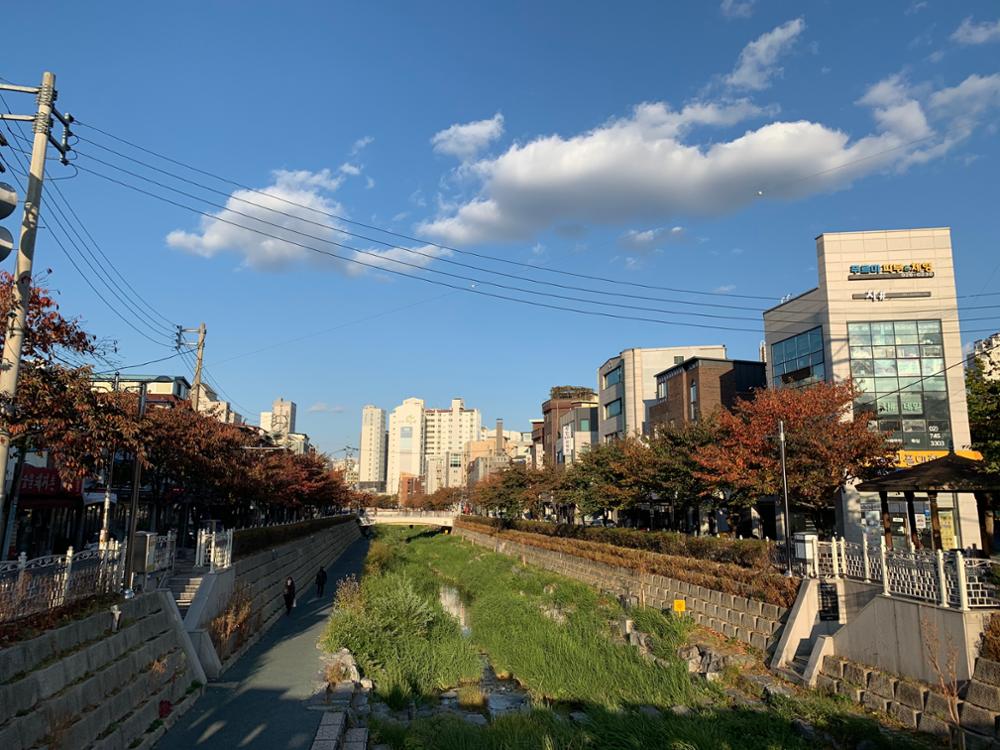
(784, 485)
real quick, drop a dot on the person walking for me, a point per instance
(320, 582)
(289, 595)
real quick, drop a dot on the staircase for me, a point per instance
(184, 584)
(794, 670)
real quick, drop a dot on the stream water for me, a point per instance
(503, 695)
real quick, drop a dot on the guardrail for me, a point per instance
(948, 579)
(214, 549)
(42, 583)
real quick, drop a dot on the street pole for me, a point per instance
(196, 390)
(784, 485)
(134, 505)
(106, 523)
(21, 293)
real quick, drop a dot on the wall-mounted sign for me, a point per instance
(868, 271)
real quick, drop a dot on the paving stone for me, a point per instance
(882, 684)
(833, 666)
(856, 674)
(827, 684)
(853, 692)
(911, 694)
(983, 695)
(939, 705)
(987, 671)
(933, 725)
(875, 702)
(324, 745)
(978, 719)
(905, 715)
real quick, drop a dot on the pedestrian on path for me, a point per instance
(289, 595)
(320, 582)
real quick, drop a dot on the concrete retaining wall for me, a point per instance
(748, 620)
(82, 686)
(919, 705)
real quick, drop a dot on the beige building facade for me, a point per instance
(626, 386)
(406, 443)
(372, 445)
(885, 314)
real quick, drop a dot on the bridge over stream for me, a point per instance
(409, 518)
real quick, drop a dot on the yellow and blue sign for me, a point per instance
(891, 270)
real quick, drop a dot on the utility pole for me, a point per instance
(197, 367)
(21, 297)
(106, 523)
(784, 485)
(134, 504)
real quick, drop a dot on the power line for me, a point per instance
(138, 364)
(58, 224)
(431, 256)
(383, 259)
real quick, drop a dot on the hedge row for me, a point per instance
(754, 554)
(766, 586)
(248, 541)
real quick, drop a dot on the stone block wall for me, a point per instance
(921, 706)
(265, 572)
(82, 686)
(748, 620)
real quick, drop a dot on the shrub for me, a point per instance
(248, 541)
(746, 553)
(991, 639)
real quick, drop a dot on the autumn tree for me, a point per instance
(826, 446)
(444, 498)
(511, 492)
(983, 394)
(674, 474)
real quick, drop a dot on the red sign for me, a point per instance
(37, 481)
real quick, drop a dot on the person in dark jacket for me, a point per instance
(320, 582)
(289, 595)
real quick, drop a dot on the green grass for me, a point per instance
(412, 648)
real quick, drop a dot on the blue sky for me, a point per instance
(623, 141)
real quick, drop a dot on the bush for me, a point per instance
(248, 541)
(765, 585)
(991, 639)
(746, 553)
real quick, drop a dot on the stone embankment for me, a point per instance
(748, 620)
(92, 685)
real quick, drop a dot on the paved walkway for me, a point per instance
(260, 702)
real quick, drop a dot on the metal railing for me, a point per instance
(42, 583)
(948, 579)
(214, 550)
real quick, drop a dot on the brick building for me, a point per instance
(698, 386)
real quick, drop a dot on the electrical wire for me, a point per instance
(430, 256)
(382, 259)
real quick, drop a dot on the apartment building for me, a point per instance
(627, 386)
(372, 460)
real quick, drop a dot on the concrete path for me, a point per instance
(260, 702)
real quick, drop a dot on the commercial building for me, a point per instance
(211, 405)
(562, 399)
(161, 390)
(700, 385)
(537, 443)
(410, 488)
(627, 386)
(577, 432)
(885, 314)
(406, 443)
(372, 461)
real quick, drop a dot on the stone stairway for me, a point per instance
(794, 670)
(184, 584)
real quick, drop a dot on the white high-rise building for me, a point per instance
(280, 421)
(447, 432)
(406, 443)
(372, 445)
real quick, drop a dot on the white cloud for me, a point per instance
(351, 169)
(651, 239)
(321, 407)
(465, 141)
(969, 32)
(369, 183)
(735, 9)
(288, 224)
(724, 289)
(654, 167)
(758, 62)
(361, 144)
(916, 7)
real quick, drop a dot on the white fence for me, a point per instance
(214, 549)
(42, 583)
(948, 579)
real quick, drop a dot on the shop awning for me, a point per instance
(950, 473)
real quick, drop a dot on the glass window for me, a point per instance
(613, 409)
(900, 378)
(799, 360)
(584, 425)
(613, 377)
(885, 367)
(678, 358)
(661, 388)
